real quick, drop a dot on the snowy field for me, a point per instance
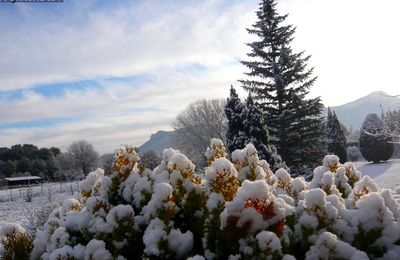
(14, 205)
(385, 174)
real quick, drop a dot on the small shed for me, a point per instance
(3, 183)
(24, 180)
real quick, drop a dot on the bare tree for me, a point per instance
(66, 168)
(197, 125)
(84, 156)
(391, 119)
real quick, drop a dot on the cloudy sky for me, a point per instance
(113, 72)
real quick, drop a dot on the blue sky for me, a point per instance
(113, 72)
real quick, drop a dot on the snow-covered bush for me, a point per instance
(240, 209)
(375, 143)
(353, 153)
(15, 242)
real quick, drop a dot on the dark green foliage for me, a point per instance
(28, 158)
(336, 137)
(280, 80)
(295, 247)
(38, 166)
(8, 168)
(246, 124)
(24, 165)
(213, 234)
(5, 154)
(55, 151)
(375, 143)
(114, 196)
(45, 154)
(254, 128)
(193, 217)
(50, 169)
(29, 151)
(364, 240)
(83, 236)
(233, 110)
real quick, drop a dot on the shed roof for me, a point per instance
(23, 178)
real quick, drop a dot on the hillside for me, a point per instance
(157, 142)
(353, 114)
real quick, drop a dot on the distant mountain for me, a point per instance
(352, 114)
(157, 142)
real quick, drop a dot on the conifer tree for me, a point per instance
(280, 80)
(233, 110)
(336, 137)
(246, 125)
(255, 130)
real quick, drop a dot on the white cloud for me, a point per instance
(114, 114)
(166, 90)
(130, 39)
(106, 133)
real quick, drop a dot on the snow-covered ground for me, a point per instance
(15, 207)
(386, 174)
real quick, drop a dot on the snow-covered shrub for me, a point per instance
(353, 153)
(377, 229)
(375, 143)
(250, 167)
(240, 209)
(15, 243)
(253, 210)
(215, 151)
(363, 187)
(327, 246)
(221, 186)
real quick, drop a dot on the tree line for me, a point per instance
(49, 163)
(21, 158)
(77, 161)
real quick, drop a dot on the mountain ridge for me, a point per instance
(352, 114)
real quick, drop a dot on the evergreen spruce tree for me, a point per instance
(233, 109)
(255, 130)
(246, 124)
(336, 137)
(280, 80)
